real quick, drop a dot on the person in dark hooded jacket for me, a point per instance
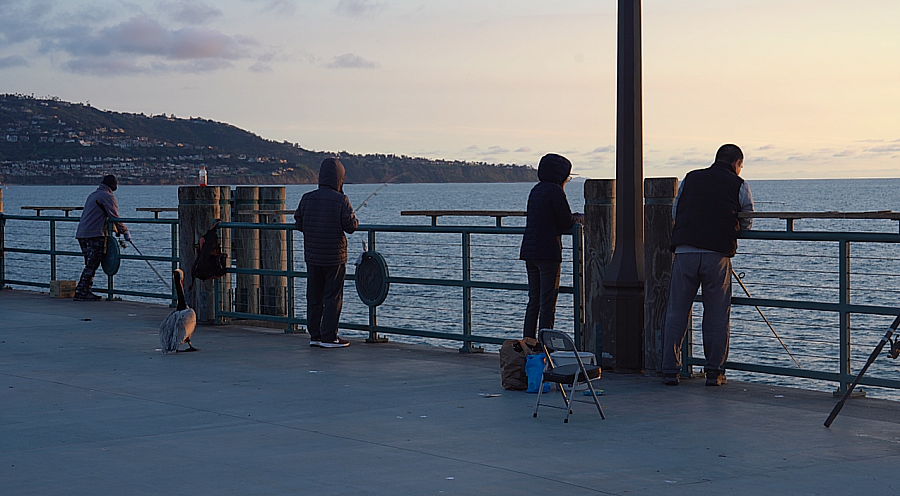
(324, 215)
(547, 217)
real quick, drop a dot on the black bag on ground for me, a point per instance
(210, 261)
(513, 353)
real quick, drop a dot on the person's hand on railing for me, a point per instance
(579, 218)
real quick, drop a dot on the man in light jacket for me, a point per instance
(91, 234)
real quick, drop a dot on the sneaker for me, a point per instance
(87, 297)
(315, 344)
(671, 379)
(337, 343)
(716, 379)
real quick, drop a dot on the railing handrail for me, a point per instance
(875, 214)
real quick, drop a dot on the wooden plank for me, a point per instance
(64, 209)
(156, 209)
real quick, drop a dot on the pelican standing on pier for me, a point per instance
(178, 327)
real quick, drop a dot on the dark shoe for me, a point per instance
(315, 344)
(671, 379)
(337, 343)
(715, 379)
(87, 297)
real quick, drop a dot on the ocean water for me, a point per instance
(782, 270)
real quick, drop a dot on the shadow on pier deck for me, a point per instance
(89, 407)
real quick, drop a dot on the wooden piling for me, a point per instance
(198, 210)
(272, 252)
(599, 239)
(659, 196)
(246, 249)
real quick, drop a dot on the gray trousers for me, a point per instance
(690, 271)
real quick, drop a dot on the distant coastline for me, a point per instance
(48, 141)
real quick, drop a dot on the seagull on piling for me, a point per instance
(178, 327)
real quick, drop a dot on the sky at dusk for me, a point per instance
(809, 89)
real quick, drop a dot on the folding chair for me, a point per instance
(570, 375)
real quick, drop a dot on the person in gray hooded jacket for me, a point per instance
(91, 233)
(324, 215)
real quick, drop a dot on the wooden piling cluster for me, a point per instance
(199, 207)
(599, 240)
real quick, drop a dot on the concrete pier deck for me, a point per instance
(88, 406)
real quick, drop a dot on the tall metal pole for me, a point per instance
(624, 280)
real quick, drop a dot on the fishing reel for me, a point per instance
(895, 347)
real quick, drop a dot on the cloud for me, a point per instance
(523, 149)
(360, 8)
(884, 149)
(766, 147)
(112, 50)
(260, 68)
(104, 66)
(351, 61)
(93, 41)
(280, 7)
(471, 148)
(190, 11)
(13, 61)
(603, 149)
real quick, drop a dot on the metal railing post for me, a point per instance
(467, 346)
(174, 255)
(373, 311)
(843, 302)
(291, 326)
(52, 250)
(578, 279)
(2, 251)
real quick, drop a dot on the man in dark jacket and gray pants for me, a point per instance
(324, 215)
(704, 240)
(547, 217)
(91, 234)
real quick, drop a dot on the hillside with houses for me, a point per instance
(50, 141)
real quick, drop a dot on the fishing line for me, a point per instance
(151, 267)
(736, 276)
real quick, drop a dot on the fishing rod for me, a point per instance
(736, 276)
(894, 353)
(363, 204)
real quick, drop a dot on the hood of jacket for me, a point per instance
(554, 168)
(332, 174)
